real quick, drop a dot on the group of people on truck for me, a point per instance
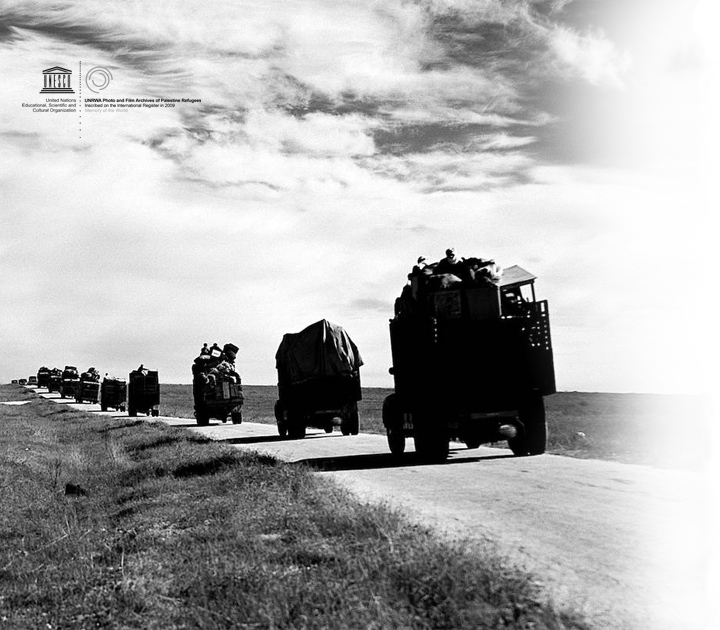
(215, 364)
(452, 271)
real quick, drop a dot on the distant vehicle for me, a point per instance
(472, 362)
(318, 381)
(217, 387)
(89, 388)
(143, 392)
(70, 382)
(54, 380)
(113, 393)
(43, 377)
(22, 381)
(32, 380)
(14, 382)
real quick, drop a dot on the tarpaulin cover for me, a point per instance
(321, 349)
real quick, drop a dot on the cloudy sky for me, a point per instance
(335, 142)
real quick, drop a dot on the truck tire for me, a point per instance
(280, 419)
(295, 425)
(236, 416)
(532, 438)
(393, 425)
(132, 412)
(103, 407)
(350, 424)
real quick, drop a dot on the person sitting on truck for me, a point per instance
(449, 264)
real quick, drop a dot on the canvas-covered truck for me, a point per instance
(318, 381)
(113, 393)
(43, 376)
(89, 388)
(143, 392)
(472, 360)
(69, 382)
(217, 387)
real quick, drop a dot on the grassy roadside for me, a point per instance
(121, 523)
(660, 430)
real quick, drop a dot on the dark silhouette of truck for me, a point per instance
(43, 376)
(89, 388)
(318, 381)
(113, 393)
(143, 392)
(70, 382)
(54, 380)
(472, 360)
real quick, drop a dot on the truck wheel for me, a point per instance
(532, 438)
(202, 419)
(393, 425)
(350, 424)
(280, 419)
(103, 407)
(236, 416)
(132, 412)
(155, 413)
(296, 425)
(396, 441)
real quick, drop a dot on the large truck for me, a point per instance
(143, 392)
(472, 361)
(70, 382)
(318, 381)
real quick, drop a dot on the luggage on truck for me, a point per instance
(113, 393)
(471, 360)
(217, 386)
(318, 381)
(143, 392)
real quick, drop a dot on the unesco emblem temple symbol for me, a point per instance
(57, 81)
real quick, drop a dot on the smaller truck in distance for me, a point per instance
(70, 382)
(143, 392)
(113, 393)
(43, 377)
(217, 387)
(89, 388)
(318, 381)
(54, 380)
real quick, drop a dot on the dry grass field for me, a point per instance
(652, 429)
(121, 523)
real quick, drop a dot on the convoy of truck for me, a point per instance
(472, 361)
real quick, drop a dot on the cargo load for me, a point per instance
(472, 359)
(113, 393)
(318, 381)
(143, 392)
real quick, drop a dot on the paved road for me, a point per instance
(623, 544)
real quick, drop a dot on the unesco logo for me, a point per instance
(57, 81)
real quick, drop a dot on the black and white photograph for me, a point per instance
(359, 314)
